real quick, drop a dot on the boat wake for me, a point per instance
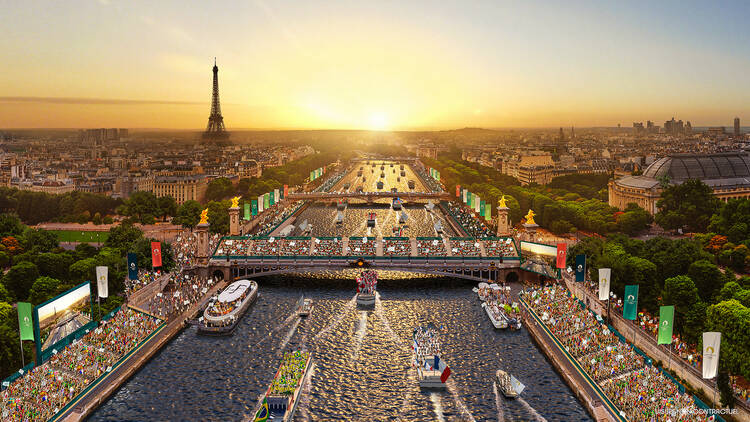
(304, 404)
(457, 399)
(337, 319)
(531, 410)
(359, 335)
(384, 320)
(437, 405)
(289, 335)
(498, 403)
(281, 325)
(410, 375)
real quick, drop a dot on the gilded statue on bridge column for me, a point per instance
(236, 202)
(204, 217)
(530, 217)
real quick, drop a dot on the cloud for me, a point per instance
(93, 101)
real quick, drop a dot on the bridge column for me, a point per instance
(202, 253)
(503, 223)
(234, 221)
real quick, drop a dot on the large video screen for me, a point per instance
(530, 248)
(62, 316)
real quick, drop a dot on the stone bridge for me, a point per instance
(368, 196)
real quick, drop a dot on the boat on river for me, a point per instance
(432, 370)
(367, 283)
(223, 312)
(497, 316)
(282, 397)
(304, 306)
(509, 385)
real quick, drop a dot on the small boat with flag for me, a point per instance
(432, 370)
(367, 283)
(304, 306)
(223, 312)
(509, 385)
(371, 219)
(281, 399)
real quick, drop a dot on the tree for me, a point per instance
(733, 220)
(84, 250)
(732, 320)
(38, 240)
(707, 278)
(688, 205)
(218, 216)
(142, 206)
(10, 225)
(218, 189)
(123, 237)
(4, 259)
(188, 215)
(54, 265)
(645, 274)
(19, 279)
(83, 270)
(634, 220)
(43, 289)
(682, 293)
(167, 207)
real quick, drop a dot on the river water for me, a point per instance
(361, 368)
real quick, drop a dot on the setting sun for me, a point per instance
(379, 121)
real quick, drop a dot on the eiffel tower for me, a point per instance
(215, 129)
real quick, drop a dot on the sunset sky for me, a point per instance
(374, 64)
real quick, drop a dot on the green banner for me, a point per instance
(254, 208)
(630, 308)
(247, 210)
(468, 199)
(272, 199)
(437, 173)
(666, 320)
(481, 208)
(266, 199)
(488, 211)
(312, 176)
(25, 326)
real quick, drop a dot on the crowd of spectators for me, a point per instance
(294, 246)
(44, 390)
(429, 182)
(235, 247)
(640, 391)
(181, 292)
(465, 247)
(465, 217)
(431, 247)
(145, 278)
(272, 217)
(500, 247)
(396, 246)
(265, 246)
(328, 246)
(362, 246)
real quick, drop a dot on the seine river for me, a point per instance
(361, 367)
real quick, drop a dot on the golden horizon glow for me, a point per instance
(356, 65)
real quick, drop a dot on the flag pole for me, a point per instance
(23, 361)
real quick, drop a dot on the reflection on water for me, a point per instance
(362, 363)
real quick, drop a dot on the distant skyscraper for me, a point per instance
(572, 132)
(562, 134)
(215, 128)
(673, 127)
(736, 126)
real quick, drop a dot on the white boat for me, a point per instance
(430, 206)
(438, 227)
(340, 218)
(497, 317)
(508, 384)
(371, 220)
(304, 306)
(403, 217)
(223, 313)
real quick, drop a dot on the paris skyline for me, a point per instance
(373, 66)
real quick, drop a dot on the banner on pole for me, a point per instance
(247, 210)
(666, 321)
(254, 207)
(711, 343)
(156, 254)
(132, 266)
(25, 326)
(562, 254)
(580, 268)
(604, 275)
(102, 280)
(630, 308)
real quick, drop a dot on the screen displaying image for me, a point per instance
(63, 315)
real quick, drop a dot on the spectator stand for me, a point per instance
(232, 247)
(465, 247)
(327, 246)
(395, 246)
(504, 247)
(358, 246)
(294, 246)
(431, 246)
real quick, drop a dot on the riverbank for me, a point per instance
(88, 402)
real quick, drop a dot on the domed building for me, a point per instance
(728, 174)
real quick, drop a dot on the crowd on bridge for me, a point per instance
(330, 182)
(294, 247)
(46, 389)
(429, 182)
(396, 246)
(362, 246)
(465, 247)
(471, 224)
(235, 247)
(331, 246)
(431, 247)
(638, 390)
(504, 247)
(145, 277)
